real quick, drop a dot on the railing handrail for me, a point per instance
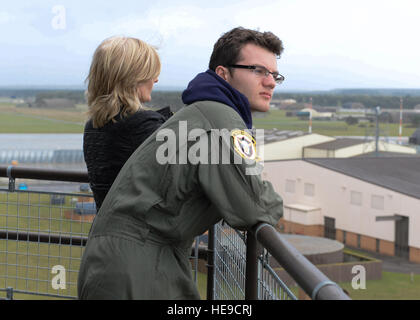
(43, 174)
(67, 239)
(316, 284)
(40, 237)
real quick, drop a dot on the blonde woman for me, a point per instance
(120, 80)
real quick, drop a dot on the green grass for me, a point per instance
(202, 284)
(33, 120)
(277, 119)
(28, 265)
(33, 211)
(392, 286)
(16, 123)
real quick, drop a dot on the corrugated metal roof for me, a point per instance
(400, 174)
(274, 135)
(386, 154)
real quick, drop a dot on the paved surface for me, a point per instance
(393, 264)
(308, 245)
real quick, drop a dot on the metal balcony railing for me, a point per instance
(40, 234)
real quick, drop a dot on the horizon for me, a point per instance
(327, 44)
(179, 88)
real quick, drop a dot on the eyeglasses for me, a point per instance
(260, 72)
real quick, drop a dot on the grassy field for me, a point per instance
(30, 120)
(392, 286)
(34, 120)
(277, 119)
(27, 266)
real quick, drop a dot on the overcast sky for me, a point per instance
(328, 43)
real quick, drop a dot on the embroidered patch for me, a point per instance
(244, 144)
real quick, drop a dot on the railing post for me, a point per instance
(251, 273)
(197, 240)
(12, 185)
(210, 263)
(9, 293)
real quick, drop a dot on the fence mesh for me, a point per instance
(39, 251)
(230, 268)
(229, 264)
(42, 238)
(270, 286)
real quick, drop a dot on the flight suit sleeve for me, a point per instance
(241, 196)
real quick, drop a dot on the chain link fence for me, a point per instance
(230, 269)
(42, 236)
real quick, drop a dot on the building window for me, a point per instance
(329, 228)
(377, 202)
(290, 186)
(356, 198)
(377, 245)
(309, 189)
(344, 237)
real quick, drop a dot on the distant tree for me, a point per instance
(415, 121)
(351, 120)
(385, 117)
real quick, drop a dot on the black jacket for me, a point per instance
(107, 149)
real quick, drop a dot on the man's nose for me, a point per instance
(269, 81)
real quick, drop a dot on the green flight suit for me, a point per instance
(140, 241)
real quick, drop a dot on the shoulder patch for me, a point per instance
(244, 144)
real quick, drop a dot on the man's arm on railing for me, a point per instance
(307, 276)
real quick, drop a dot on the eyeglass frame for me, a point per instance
(267, 72)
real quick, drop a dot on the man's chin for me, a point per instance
(260, 108)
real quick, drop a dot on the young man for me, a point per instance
(140, 241)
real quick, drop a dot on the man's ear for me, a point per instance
(222, 72)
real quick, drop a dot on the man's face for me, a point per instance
(259, 90)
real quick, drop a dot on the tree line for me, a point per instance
(386, 99)
(368, 101)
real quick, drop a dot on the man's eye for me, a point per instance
(259, 72)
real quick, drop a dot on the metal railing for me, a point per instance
(40, 236)
(39, 232)
(240, 269)
(307, 276)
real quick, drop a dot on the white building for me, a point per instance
(371, 203)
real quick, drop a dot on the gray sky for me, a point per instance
(328, 43)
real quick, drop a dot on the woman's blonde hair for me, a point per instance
(118, 66)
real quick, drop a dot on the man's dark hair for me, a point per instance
(226, 50)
